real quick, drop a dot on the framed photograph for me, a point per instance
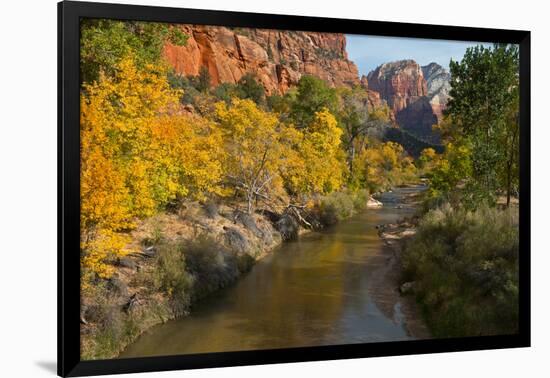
(240, 188)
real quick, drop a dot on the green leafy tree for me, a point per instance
(183, 83)
(484, 106)
(104, 43)
(203, 81)
(452, 169)
(282, 104)
(312, 96)
(246, 88)
(428, 157)
(226, 92)
(251, 89)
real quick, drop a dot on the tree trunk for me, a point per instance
(351, 158)
(508, 183)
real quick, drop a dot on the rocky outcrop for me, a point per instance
(277, 58)
(416, 95)
(438, 81)
(373, 203)
(398, 83)
(373, 98)
(403, 86)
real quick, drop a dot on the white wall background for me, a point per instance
(28, 186)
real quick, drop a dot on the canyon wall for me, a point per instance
(277, 58)
(403, 86)
(416, 95)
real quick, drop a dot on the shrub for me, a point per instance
(110, 328)
(360, 199)
(181, 271)
(212, 209)
(171, 277)
(336, 207)
(465, 267)
(247, 87)
(211, 266)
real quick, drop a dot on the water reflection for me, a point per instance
(313, 291)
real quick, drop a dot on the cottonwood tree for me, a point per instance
(312, 95)
(324, 160)
(484, 105)
(138, 153)
(356, 119)
(253, 141)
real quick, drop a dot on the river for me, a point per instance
(317, 290)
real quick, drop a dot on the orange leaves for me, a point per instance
(104, 196)
(140, 152)
(137, 154)
(105, 243)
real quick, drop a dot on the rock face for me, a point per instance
(438, 81)
(277, 58)
(398, 83)
(373, 97)
(416, 95)
(403, 86)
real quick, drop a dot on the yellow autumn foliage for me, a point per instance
(138, 153)
(323, 158)
(381, 165)
(258, 148)
(428, 159)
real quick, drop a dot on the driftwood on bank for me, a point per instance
(295, 210)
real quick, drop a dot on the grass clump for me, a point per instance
(465, 268)
(189, 270)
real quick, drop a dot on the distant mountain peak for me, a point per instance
(385, 70)
(398, 79)
(438, 81)
(417, 95)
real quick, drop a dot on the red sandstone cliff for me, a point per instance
(403, 86)
(398, 83)
(278, 58)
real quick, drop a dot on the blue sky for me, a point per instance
(368, 52)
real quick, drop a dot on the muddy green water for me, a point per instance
(314, 291)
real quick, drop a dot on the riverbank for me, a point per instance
(177, 259)
(316, 290)
(455, 280)
(387, 287)
(389, 291)
(156, 281)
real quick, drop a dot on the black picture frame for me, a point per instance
(69, 15)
